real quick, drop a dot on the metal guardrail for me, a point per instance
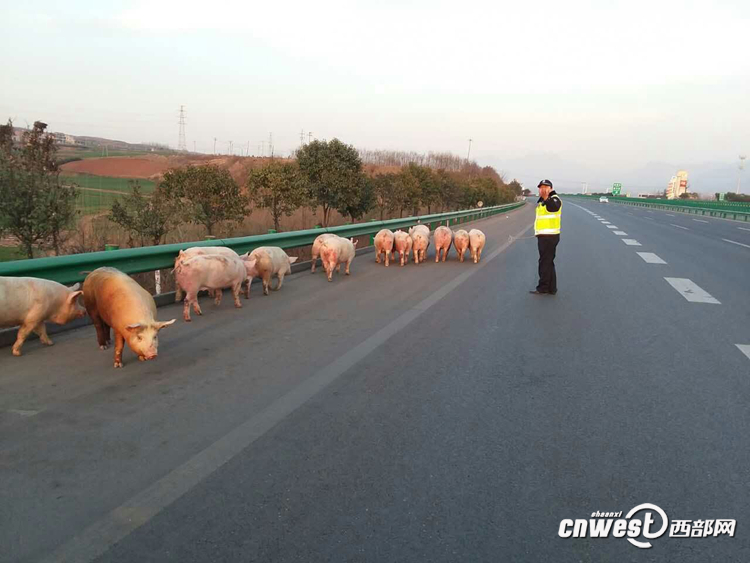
(68, 269)
(711, 212)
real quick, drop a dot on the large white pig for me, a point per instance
(198, 251)
(115, 300)
(337, 251)
(420, 236)
(461, 242)
(476, 244)
(402, 244)
(384, 244)
(316, 248)
(212, 272)
(29, 302)
(443, 238)
(269, 261)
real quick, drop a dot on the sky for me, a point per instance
(605, 86)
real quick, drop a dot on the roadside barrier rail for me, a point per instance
(724, 213)
(71, 269)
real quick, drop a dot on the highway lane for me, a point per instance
(467, 435)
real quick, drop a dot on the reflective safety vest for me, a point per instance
(547, 222)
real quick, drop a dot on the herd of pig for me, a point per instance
(114, 300)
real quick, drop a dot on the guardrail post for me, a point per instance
(111, 247)
(272, 231)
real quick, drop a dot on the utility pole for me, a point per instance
(468, 154)
(270, 144)
(194, 147)
(181, 144)
(231, 148)
(302, 137)
(214, 145)
(262, 148)
(309, 136)
(247, 152)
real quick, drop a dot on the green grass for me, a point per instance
(8, 253)
(96, 152)
(108, 183)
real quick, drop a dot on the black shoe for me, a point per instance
(537, 292)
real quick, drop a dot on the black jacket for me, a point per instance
(552, 203)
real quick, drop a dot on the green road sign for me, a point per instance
(722, 196)
(616, 188)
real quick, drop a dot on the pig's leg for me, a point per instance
(236, 294)
(218, 294)
(119, 345)
(41, 332)
(338, 268)
(23, 333)
(437, 255)
(387, 258)
(266, 283)
(377, 256)
(186, 309)
(102, 331)
(445, 254)
(281, 281)
(246, 284)
(348, 263)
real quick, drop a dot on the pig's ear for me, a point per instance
(160, 326)
(250, 264)
(75, 287)
(293, 259)
(137, 327)
(181, 253)
(74, 295)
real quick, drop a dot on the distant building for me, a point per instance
(677, 185)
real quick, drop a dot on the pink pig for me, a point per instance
(476, 244)
(28, 302)
(336, 251)
(443, 238)
(384, 244)
(420, 235)
(402, 244)
(212, 272)
(461, 242)
(316, 248)
(269, 261)
(198, 251)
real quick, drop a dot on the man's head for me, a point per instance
(545, 187)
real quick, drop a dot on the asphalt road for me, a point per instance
(425, 413)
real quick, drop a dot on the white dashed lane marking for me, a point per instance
(611, 227)
(700, 220)
(631, 242)
(670, 215)
(745, 349)
(743, 229)
(605, 222)
(679, 226)
(735, 242)
(690, 291)
(620, 233)
(650, 258)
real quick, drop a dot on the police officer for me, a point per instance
(547, 231)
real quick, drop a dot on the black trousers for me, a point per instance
(547, 277)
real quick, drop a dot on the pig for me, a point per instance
(384, 244)
(316, 248)
(461, 242)
(402, 244)
(198, 251)
(29, 302)
(336, 251)
(115, 300)
(269, 261)
(420, 235)
(443, 238)
(213, 272)
(476, 244)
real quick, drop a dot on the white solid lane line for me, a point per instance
(743, 229)
(670, 215)
(690, 291)
(620, 233)
(735, 242)
(745, 349)
(679, 226)
(611, 227)
(700, 220)
(650, 258)
(631, 242)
